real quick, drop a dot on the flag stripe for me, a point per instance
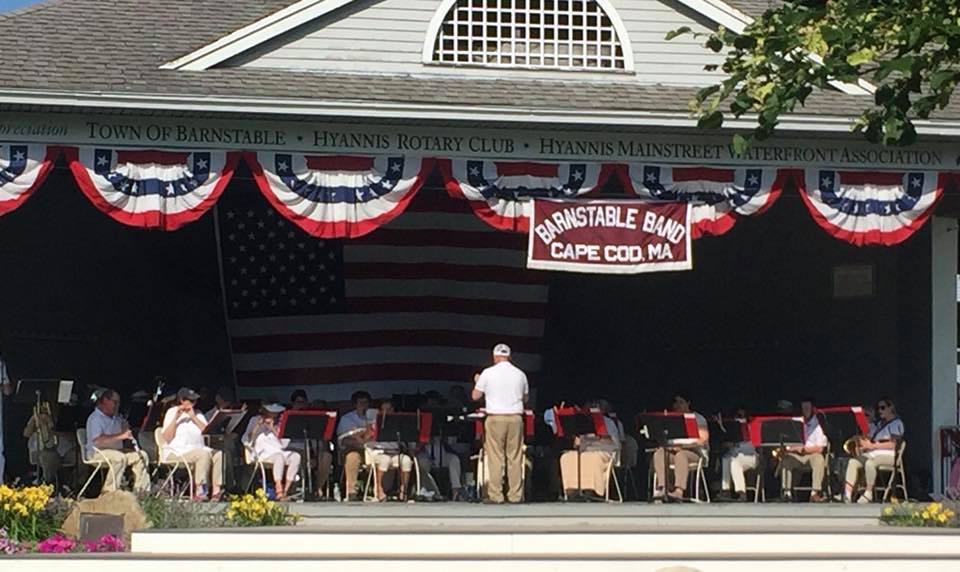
(387, 320)
(372, 339)
(438, 354)
(480, 239)
(435, 254)
(433, 271)
(448, 288)
(358, 374)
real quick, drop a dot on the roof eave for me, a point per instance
(189, 103)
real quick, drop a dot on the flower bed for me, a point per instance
(258, 510)
(931, 515)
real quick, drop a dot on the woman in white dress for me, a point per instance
(263, 436)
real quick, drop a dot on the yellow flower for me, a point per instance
(888, 511)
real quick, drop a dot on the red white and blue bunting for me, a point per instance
(866, 207)
(23, 169)
(500, 191)
(152, 189)
(338, 196)
(717, 196)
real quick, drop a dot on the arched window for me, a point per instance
(541, 34)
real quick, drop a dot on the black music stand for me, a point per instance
(308, 424)
(660, 429)
(223, 421)
(573, 425)
(34, 391)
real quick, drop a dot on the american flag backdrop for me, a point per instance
(415, 305)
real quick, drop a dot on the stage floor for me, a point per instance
(451, 517)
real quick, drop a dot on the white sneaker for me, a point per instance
(865, 498)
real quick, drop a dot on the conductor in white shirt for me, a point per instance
(182, 436)
(503, 387)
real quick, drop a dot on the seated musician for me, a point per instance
(47, 448)
(320, 456)
(263, 436)
(811, 453)
(353, 431)
(386, 455)
(444, 452)
(596, 454)
(682, 455)
(106, 434)
(738, 457)
(182, 438)
(876, 451)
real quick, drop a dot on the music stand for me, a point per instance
(662, 428)
(308, 424)
(223, 421)
(34, 391)
(842, 422)
(576, 423)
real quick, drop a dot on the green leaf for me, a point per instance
(938, 79)
(711, 121)
(861, 56)
(678, 32)
(902, 64)
(740, 144)
(714, 44)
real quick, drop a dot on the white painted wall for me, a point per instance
(387, 36)
(943, 382)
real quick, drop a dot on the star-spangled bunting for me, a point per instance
(717, 196)
(149, 188)
(500, 192)
(23, 168)
(865, 207)
(338, 196)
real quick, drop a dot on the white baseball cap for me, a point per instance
(501, 350)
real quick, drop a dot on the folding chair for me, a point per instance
(259, 465)
(898, 475)
(696, 472)
(173, 462)
(97, 463)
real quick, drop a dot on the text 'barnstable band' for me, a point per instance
(609, 237)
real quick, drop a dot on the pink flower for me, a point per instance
(57, 544)
(108, 543)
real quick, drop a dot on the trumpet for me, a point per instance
(852, 446)
(46, 438)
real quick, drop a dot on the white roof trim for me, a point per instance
(255, 34)
(401, 111)
(735, 21)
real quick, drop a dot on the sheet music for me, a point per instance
(64, 391)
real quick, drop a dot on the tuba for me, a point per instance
(852, 446)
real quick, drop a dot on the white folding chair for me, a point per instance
(173, 462)
(96, 462)
(697, 472)
(250, 457)
(898, 475)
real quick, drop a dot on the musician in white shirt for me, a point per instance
(353, 431)
(877, 450)
(386, 455)
(182, 436)
(6, 388)
(263, 436)
(106, 433)
(810, 453)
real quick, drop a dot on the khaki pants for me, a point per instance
(352, 461)
(818, 467)
(503, 447)
(593, 470)
(203, 461)
(681, 460)
(869, 462)
(119, 461)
